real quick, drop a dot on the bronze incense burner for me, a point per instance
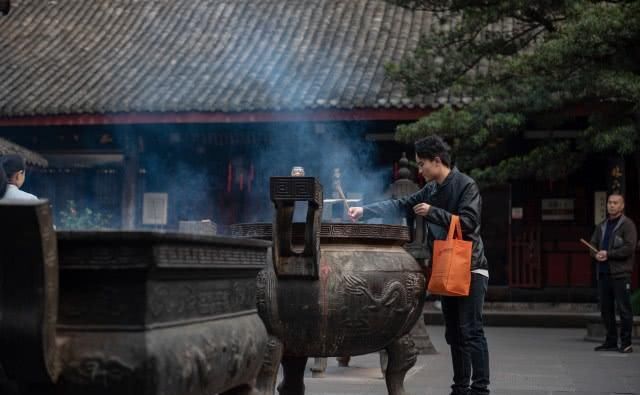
(333, 289)
(134, 313)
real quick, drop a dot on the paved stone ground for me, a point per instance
(524, 361)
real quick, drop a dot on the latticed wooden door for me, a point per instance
(524, 268)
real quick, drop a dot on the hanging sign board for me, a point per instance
(599, 206)
(557, 209)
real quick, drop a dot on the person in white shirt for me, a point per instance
(12, 176)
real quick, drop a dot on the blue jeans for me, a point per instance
(465, 335)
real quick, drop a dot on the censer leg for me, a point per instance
(293, 376)
(343, 361)
(319, 367)
(402, 355)
(266, 382)
(384, 361)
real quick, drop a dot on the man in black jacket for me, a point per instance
(448, 192)
(615, 238)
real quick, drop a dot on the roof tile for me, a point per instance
(114, 56)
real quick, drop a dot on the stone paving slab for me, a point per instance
(524, 361)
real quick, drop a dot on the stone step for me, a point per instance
(541, 316)
(497, 293)
(522, 318)
(542, 307)
(596, 331)
(528, 314)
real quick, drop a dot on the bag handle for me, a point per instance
(454, 228)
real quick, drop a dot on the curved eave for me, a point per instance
(7, 147)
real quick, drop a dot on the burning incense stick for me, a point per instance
(342, 196)
(592, 248)
(337, 186)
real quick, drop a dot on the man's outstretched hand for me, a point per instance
(355, 213)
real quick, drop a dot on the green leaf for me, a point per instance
(524, 63)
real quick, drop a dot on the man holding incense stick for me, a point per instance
(615, 239)
(450, 192)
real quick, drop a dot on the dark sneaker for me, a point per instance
(607, 347)
(626, 349)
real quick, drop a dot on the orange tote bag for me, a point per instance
(451, 263)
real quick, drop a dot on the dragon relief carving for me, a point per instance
(393, 296)
(195, 368)
(201, 359)
(99, 369)
(397, 298)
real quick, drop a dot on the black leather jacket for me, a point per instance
(458, 194)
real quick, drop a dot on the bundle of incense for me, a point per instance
(592, 248)
(342, 196)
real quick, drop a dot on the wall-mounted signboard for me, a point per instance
(557, 209)
(599, 206)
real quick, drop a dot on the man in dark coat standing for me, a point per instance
(615, 239)
(450, 192)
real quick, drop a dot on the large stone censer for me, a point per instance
(139, 313)
(333, 289)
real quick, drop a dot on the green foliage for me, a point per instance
(522, 61)
(74, 219)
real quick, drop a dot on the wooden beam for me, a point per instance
(371, 114)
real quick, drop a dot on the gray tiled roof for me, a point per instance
(111, 56)
(7, 147)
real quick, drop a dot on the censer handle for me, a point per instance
(287, 260)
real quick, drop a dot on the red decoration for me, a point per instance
(250, 177)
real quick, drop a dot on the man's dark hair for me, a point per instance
(12, 164)
(616, 194)
(9, 166)
(434, 146)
